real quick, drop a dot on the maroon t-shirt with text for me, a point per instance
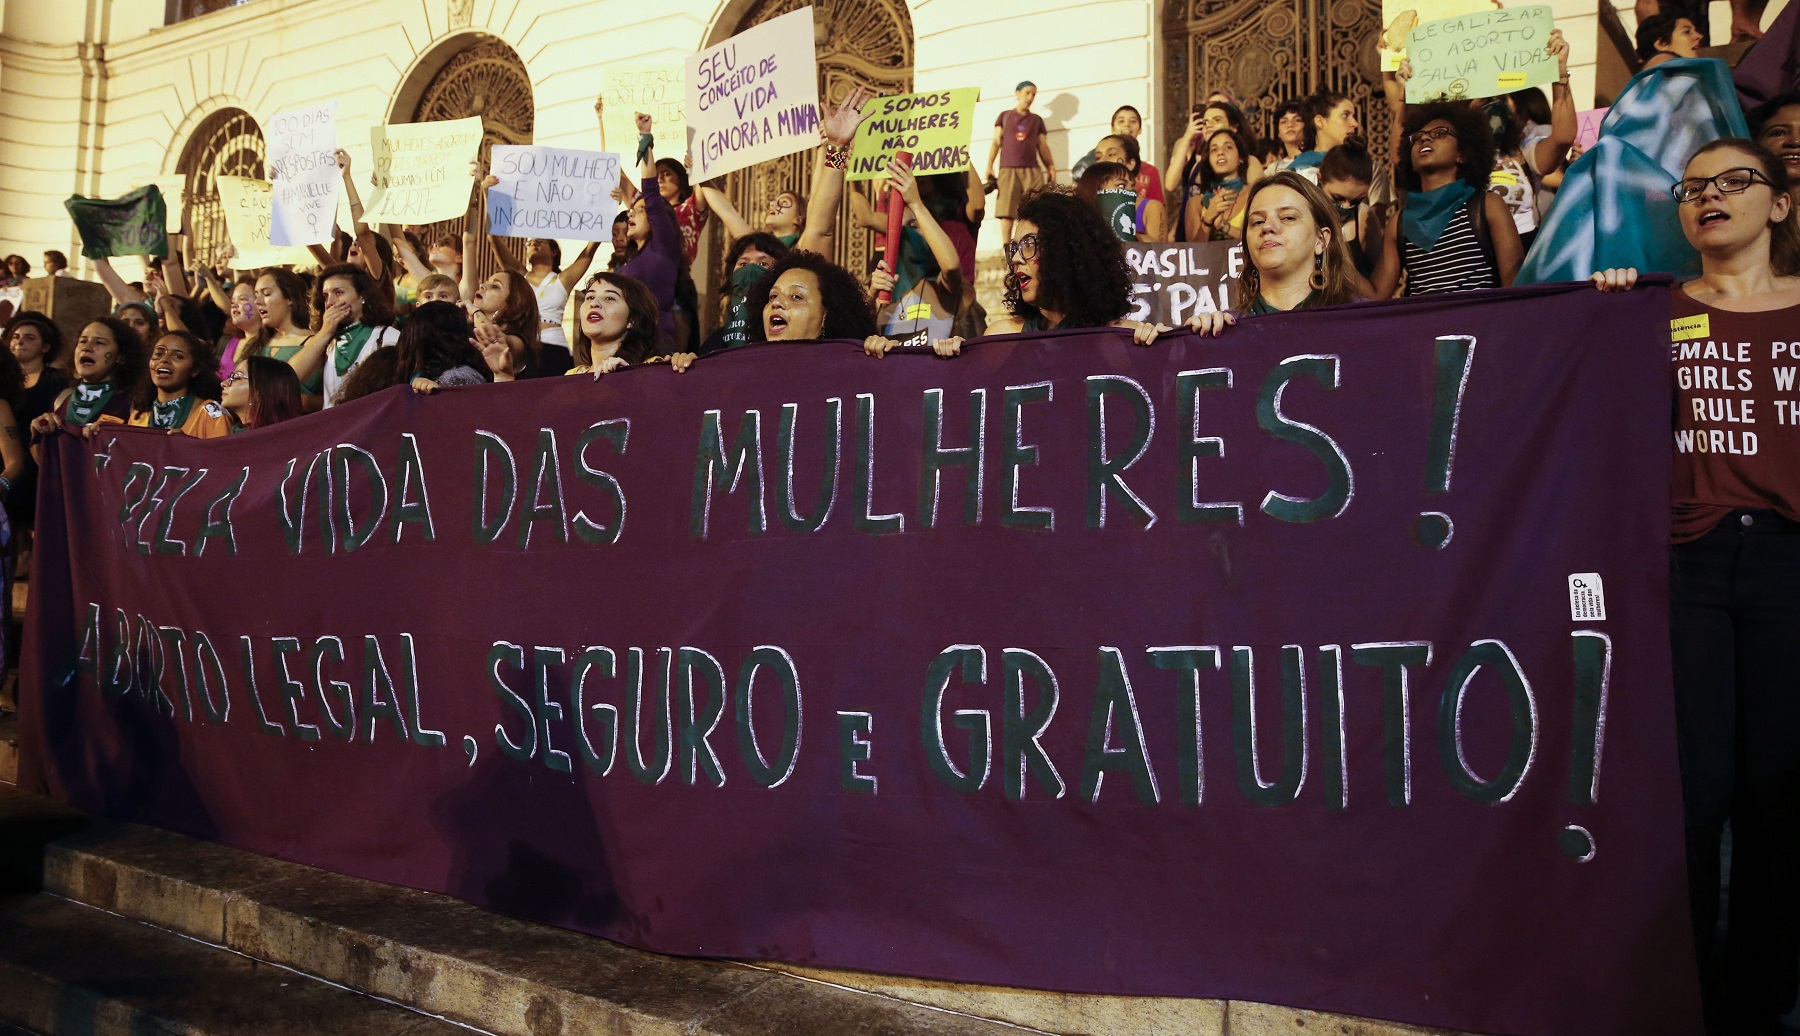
(1737, 413)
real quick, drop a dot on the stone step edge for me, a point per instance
(36, 998)
(370, 938)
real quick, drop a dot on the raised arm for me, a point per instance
(942, 248)
(467, 287)
(839, 129)
(408, 257)
(176, 278)
(735, 224)
(1553, 150)
(121, 292)
(1178, 160)
(509, 259)
(573, 273)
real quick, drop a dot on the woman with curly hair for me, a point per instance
(1452, 234)
(1293, 136)
(108, 364)
(1065, 269)
(616, 324)
(181, 394)
(354, 321)
(807, 297)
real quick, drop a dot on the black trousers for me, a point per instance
(1735, 620)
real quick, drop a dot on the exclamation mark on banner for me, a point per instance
(1455, 354)
(1592, 673)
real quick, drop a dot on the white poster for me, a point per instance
(552, 192)
(302, 160)
(754, 97)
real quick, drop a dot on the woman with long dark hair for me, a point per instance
(1734, 595)
(261, 392)
(181, 393)
(108, 364)
(504, 305)
(1293, 136)
(437, 349)
(354, 321)
(284, 306)
(36, 345)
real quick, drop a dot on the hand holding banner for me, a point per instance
(935, 127)
(248, 211)
(422, 170)
(1484, 54)
(552, 192)
(754, 97)
(655, 90)
(131, 225)
(303, 167)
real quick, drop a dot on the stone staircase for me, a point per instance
(109, 928)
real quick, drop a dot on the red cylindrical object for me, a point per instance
(896, 217)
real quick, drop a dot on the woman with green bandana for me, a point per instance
(182, 393)
(1452, 234)
(354, 321)
(107, 364)
(286, 315)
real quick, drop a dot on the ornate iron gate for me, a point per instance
(865, 43)
(1266, 52)
(490, 81)
(228, 143)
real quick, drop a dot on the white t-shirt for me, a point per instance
(379, 337)
(552, 299)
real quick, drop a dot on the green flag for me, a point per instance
(131, 225)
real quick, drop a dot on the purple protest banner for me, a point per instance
(1323, 664)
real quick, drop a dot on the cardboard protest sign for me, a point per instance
(934, 126)
(1400, 17)
(1587, 126)
(302, 162)
(1483, 54)
(248, 206)
(421, 172)
(1170, 283)
(754, 97)
(174, 190)
(656, 90)
(552, 192)
(131, 225)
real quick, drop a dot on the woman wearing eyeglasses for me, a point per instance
(1735, 574)
(1452, 234)
(261, 392)
(1065, 269)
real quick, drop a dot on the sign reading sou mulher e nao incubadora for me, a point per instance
(754, 97)
(552, 192)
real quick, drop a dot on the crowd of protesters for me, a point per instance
(1452, 201)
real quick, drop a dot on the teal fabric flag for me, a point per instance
(131, 225)
(1614, 208)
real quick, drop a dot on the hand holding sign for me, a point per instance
(1483, 54)
(753, 97)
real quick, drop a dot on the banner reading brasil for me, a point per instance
(1249, 668)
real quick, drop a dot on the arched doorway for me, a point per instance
(1266, 52)
(483, 77)
(866, 43)
(228, 143)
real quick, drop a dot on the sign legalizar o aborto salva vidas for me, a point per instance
(1325, 663)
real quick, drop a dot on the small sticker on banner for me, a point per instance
(1587, 597)
(1682, 329)
(1512, 80)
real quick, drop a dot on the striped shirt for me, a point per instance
(1456, 264)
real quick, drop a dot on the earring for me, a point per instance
(1317, 280)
